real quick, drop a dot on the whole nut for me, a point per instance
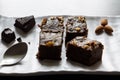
(99, 29)
(104, 22)
(44, 21)
(108, 29)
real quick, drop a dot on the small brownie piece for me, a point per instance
(50, 46)
(19, 39)
(75, 26)
(52, 24)
(8, 35)
(85, 51)
(25, 23)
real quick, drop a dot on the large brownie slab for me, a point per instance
(75, 26)
(50, 45)
(84, 50)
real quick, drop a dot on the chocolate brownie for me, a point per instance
(50, 45)
(84, 50)
(75, 26)
(25, 23)
(8, 35)
(52, 24)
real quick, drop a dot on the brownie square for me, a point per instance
(84, 50)
(8, 35)
(50, 45)
(52, 24)
(75, 26)
(25, 23)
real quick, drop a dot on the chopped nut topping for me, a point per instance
(93, 44)
(86, 46)
(71, 23)
(52, 18)
(77, 28)
(88, 43)
(61, 21)
(44, 21)
(74, 42)
(49, 43)
(60, 24)
(60, 18)
(82, 19)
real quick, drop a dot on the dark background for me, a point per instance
(63, 77)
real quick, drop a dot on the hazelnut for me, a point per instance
(49, 43)
(99, 29)
(108, 29)
(104, 22)
(44, 21)
(77, 29)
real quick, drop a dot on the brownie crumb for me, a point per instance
(28, 42)
(19, 39)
